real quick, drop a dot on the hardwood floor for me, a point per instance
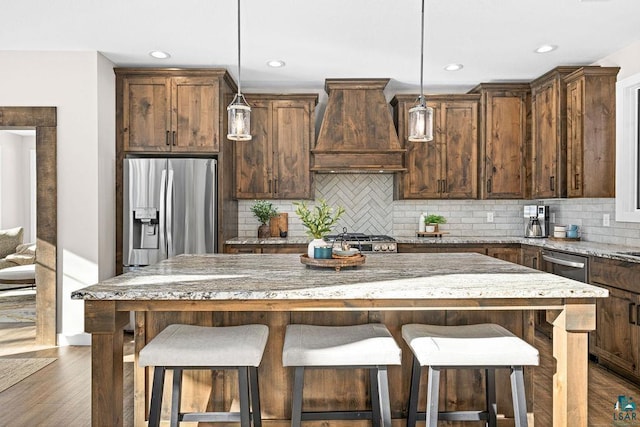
(59, 394)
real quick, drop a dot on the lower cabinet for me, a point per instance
(530, 256)
(511, 254)
(287, 248)
(616, 340)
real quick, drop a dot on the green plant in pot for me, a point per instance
(432, 221)
(319, 221)
(264, 211)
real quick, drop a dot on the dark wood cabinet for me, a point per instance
(591, 137)
(280, 248)
(511, 254)
(616, 340)
(548, 133)
(447, 167)
(505, 140)
(276, 162)
(178, 111)
(530, 256)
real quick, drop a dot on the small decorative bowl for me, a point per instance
(348, 252)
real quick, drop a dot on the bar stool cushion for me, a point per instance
(189, 345)
(468, 345)
(364, 345)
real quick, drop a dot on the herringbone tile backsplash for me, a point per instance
(370, 208)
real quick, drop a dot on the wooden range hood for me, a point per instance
(357, 133)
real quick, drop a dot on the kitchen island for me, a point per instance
(278, 290)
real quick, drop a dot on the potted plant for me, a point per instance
(318, 221)
(264, 211)
(431, 222)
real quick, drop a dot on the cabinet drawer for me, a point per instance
(619, 274)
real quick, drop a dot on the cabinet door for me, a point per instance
(291, 153)
(506, 254)
(575, 138)
(530, 257)
(146, 114)
(254, 170)
(459, 123)
(423, 179)
(195, 115)
(546, 182)
(505, 146)
(617, 329)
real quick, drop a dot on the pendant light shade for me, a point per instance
(421, 116)
(239, 112)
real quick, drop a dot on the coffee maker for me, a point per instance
(536, 221)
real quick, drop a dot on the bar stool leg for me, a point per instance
(376, 415)
(383, 391)
(256, 413)
(413, 394)
(175, 397)
(296, 410)
(156, 396)
(490, 393)
(517, 393)
(433, 395)
(243, 389)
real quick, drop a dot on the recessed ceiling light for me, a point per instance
(276, 63)
(158, 54)
(454, 67)
(545, 48)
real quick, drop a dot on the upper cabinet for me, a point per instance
(591, 137)
(548, 133)
(447, 167)
(179, 111)
(505, 140)
(276, 162)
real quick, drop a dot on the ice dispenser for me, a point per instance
(145, 228)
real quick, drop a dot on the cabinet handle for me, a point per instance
(269, 185)
(631, 321)
(552, 183)
(489, 185)
(174, 138)
(534, 262)
(439, 186)
(577, 181)
(275, 186)
(166, 141)
(444, 185)
(637, 313)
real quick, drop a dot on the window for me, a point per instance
(628, 149)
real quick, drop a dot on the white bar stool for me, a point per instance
(180, 347)
(483, 346)
(368, 346)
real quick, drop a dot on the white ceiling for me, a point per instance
(494, 39)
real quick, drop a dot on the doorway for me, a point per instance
(44, 121)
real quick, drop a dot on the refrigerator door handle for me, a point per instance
(163, 212)
(169, 224)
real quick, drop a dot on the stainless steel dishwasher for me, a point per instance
(571, 266)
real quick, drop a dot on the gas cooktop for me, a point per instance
(367, 243)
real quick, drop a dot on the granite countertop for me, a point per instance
(603, 250)
(284, 277)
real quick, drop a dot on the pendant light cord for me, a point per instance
(239, 77)
(421, 55)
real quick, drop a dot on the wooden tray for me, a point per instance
(565, 239)
(431, 234)
(336, 263)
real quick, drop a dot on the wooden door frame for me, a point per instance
(44, 120)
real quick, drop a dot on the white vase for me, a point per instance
(312, 245)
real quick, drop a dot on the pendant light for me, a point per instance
(239, 112)
(421, 116)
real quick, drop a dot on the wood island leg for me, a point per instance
(571, 329)
(106, 327)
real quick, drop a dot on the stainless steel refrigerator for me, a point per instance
(169, 209)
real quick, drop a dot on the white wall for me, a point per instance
(628, 59)
(15, 182)
(75, 83)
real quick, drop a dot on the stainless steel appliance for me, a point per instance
(169, 208)
(566, 265)
(366, 243)
(536, 221)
